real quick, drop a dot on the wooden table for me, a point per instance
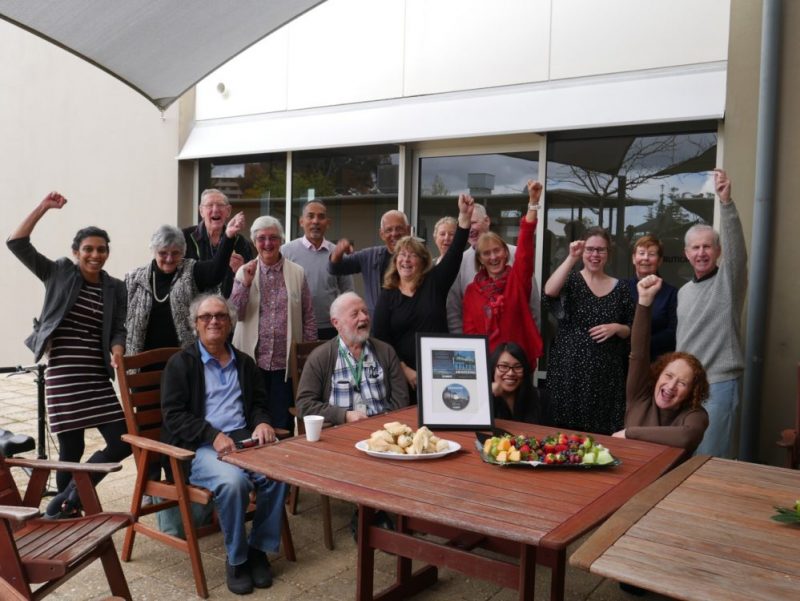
(530, 515)
(704, 532)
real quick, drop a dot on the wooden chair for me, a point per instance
(298, 355)
(35, 551)
(141, 401)
(790, 439)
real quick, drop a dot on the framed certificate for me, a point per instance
(453, 388)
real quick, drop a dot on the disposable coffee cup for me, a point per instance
(313, 424)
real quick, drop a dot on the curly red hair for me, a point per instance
(699, 392)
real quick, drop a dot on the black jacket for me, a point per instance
(198, 246)
(62, 283)
(183, 398)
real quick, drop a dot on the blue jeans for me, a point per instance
(722, 402)
(231, 487)
(279, 398)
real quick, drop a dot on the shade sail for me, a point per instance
(159, 48)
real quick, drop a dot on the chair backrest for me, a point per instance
(140, 389)
(298, 355)
(9, 493)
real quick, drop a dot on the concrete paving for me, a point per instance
(159, 572)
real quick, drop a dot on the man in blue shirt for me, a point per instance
(212, 397)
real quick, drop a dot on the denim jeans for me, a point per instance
(722, 402)
(231, 487)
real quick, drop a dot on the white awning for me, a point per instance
(160, 48)
(656, 96)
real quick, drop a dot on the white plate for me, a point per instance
(361, 445)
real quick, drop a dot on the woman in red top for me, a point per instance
(496, 303)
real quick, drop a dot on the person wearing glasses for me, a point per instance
(204, 240)
(211, 398)
(587, 365)
(414, 294)
(496, 302)
(513, 394)
(275, 309)
(159, 293)
(82, 329)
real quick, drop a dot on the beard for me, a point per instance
(354, 335)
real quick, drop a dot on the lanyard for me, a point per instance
(356, 371)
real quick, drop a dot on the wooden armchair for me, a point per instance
(790, 439)
(50, 552)
(297, 359)
(141, 401)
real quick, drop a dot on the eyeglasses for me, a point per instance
(595, 250)
(407, 256)
(208, 317)
(517, 368)
(214, 205)
(265, 239)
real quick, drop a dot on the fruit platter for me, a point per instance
(557, 450)
(788, 515)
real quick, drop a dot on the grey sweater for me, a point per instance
(710, 311)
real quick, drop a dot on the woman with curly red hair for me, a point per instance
(664, 402)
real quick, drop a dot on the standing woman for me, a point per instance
(586, 370)
(415, 294)
(159, 293)
(82, 330)
(443, 233)
(496, 303)
(275, 309)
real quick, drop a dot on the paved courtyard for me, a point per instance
(159, 572)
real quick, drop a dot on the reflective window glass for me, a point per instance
(498, 181)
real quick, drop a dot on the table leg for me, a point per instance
(527, 572)
(366, 555)
(557, 575)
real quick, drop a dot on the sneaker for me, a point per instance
(260, 570)
(238, 579)
(64, 505)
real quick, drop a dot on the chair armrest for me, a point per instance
(157, 447)
(18, 513)
(64, 466)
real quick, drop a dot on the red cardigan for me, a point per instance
(510, 320)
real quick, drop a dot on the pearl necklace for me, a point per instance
(155, 296)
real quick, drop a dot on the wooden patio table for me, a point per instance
(703, 532)
(528, 516)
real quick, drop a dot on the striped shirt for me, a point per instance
(370, 395)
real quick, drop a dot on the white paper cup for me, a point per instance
(313, 424)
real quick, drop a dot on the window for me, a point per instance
(496, 180)
(357, 185)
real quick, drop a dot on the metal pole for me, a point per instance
(762, 224)
(40, 409)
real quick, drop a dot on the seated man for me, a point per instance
(213, 396)
(352, 376)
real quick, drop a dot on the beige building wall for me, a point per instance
(782, 323)
(68, 126)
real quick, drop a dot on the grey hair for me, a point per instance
(700, 228)
(314, 201)
(340, 300)
(264, 222)
(478, 211)
(394, 212)
(444, 220)
(194, 309)
(213, 192)
(167, 236)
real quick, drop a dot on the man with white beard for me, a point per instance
(352, 376)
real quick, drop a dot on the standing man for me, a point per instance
(353, 376)
(312, 252)
(710, 311)
(211, 397)
(202, 240)
(370, 262)
(455, 315)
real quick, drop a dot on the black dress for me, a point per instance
(586, 379)
(398, 317)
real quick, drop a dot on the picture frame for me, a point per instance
(453, 387)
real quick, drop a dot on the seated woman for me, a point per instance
(513, 394)
(414, 297)
(159, 293)
(664, 401)
(496, 303)
(443, 233)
